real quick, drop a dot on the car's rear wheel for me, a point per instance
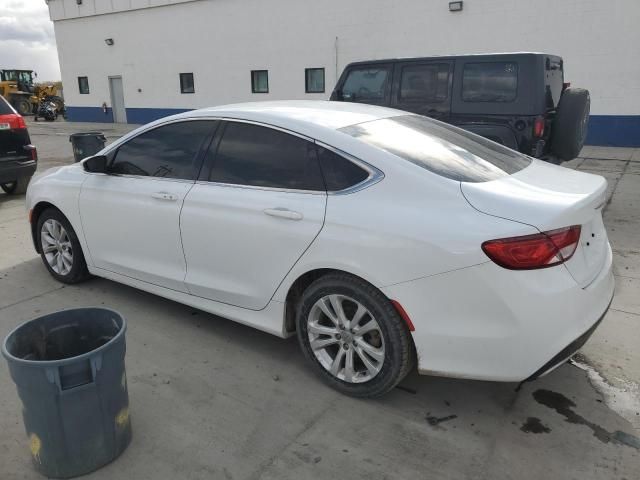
(16, 187)
(353, 336)
(59, 247)
(571, 122)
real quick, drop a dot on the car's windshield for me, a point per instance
(440, 148)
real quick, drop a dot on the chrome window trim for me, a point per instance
(375, 175)
(258, 187)
(124, 139)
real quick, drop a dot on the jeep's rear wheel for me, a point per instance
(571, 122)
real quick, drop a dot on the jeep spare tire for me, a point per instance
(571, 122)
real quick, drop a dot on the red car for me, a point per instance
(18, 158)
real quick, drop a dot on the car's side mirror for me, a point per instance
(96, 164)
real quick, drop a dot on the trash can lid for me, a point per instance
(86, 134)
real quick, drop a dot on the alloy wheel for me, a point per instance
(346, 338)
(56, 246)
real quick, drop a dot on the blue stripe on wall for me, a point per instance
(146, 115)
(609, 130)
(614, 130)
(89, 114)
(134, 115)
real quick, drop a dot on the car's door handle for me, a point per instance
(283, 213)
(164, 196)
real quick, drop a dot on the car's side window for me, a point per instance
(339, 173)
(490, 82)
(264, 157)
(427, 83)
(366, 84)
(169, 151)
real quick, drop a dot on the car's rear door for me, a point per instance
(130, 217)
(423, 87)
(252, 215)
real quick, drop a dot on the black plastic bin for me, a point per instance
(86, 144)
(69, 370)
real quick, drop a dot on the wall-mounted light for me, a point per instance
(455, 6)
(108, 41)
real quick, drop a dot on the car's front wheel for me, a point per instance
(353, 336)
(59, 247)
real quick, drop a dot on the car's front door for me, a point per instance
(131, 216)
(255, 212)
(367, 84)
(423, 88)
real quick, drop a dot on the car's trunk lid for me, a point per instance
(549, 197)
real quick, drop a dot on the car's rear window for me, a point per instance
(5, 109)
(440, 148)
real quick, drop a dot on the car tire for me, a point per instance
(17, 187)
(389, 340)
(60, 250)
(570, 124)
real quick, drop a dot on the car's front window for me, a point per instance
(167, 151)
(442, 149)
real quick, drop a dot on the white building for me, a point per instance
(123, 59)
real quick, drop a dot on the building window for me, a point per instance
(314, 80)
(186, 83)
(83, 85)
(260, 81)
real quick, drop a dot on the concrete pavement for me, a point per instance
(213, 399)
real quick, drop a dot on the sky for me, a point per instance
(26, 38)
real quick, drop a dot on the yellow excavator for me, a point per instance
(19, 89)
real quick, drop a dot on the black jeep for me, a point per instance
(517, 99)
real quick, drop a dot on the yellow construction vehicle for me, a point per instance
(19, 89)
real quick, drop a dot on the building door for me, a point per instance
(117, 100)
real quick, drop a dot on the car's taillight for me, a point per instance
(19, 122)
(540, 250)
(538, 127)
(14, 120)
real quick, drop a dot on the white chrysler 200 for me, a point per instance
(382, 238)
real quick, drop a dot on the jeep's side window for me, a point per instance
(490, 82)
(427, 83)
(366, 84)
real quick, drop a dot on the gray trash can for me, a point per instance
(86, 144)
(69, 371)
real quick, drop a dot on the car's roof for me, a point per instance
(300, 115)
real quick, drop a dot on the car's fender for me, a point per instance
(59, 187)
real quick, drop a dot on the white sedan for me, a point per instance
(382, 238)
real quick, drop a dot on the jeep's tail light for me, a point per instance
(529, 252)
(538, 127)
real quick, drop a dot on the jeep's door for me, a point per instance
(366, 84)
(423, 87)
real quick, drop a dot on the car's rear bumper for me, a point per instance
(485, 322)
(11, 169)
